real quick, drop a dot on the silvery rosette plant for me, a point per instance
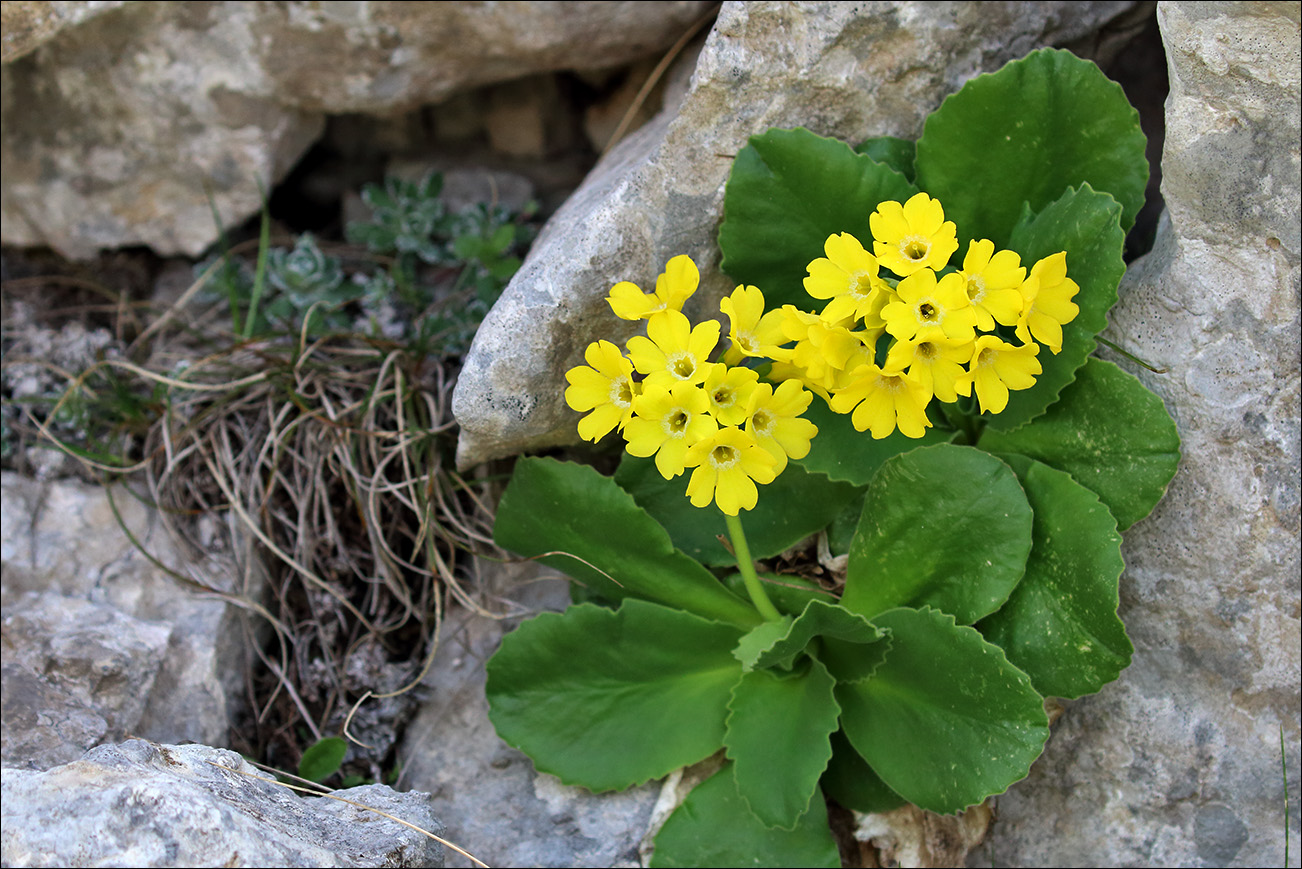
(907, 374)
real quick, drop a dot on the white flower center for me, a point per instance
(861, 283)
(915, 248)
(682, 365)
(676, 422)
(723, 457)
(621, 392)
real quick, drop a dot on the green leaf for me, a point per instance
(795, 505)
(1061, 626)
(611, 544)
(322, 759)
(1084, 224)
(851, 781)
(1110, 433)
(946, 720)
(771, 647)
(777, 737)
(841, 532)
(1026, 133)
(759, 640)
(713, 827)
(944, 526)
(895, 153)
(607, 699)
(788, 191)
(841, 453)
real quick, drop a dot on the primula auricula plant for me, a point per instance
(907, 374)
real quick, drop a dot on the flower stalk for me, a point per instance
(754, 587)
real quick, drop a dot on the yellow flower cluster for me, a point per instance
(670, 401)
(941, 324)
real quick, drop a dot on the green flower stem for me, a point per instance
(754, 587)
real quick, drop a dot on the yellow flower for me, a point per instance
(666, 422)
(937, 365)
(847, 276)
(752, 332)
(773, 419)
(912, 236)
(821, 347)
(728, 465)
(883, 400)
(729, 391)
(1048, 294)
(997, 367)
(673, 287)
(672, 351)
(931, 310)
(993, 280)
(606, 388)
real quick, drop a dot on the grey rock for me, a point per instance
(1179, 762)
(849, 70)
(68, 565)
(118, 125)
(495, 805)
(145, 804)
(75, 673)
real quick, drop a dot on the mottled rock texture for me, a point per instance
(850, 70)
(117, 125)
(1179, 762)
(100, 642)
(145, 804)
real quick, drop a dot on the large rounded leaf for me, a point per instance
(713, 827)
(946, 720)
(1110, 433)
(607, 699)
(1061, 625)
(944, 526)
(1084, 224)
(610, 544)
(788, 191)
(1024, 134)
(851, 781)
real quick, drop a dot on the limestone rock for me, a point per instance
(120, 124)
(840, 69)
(75, 673)
(73, 583)
(145, 804)
(1179, 762)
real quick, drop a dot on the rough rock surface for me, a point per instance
(494, 803)
(850, 70)
(144, 804)
(99, 642)
(118, 121)
(75, 673)
(1179, 762)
